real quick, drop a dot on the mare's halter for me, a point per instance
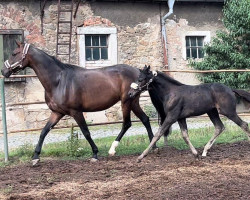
(135, 86)
(20, 62)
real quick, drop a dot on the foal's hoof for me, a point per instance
(35, 162)
(93, 160)
(156, 150)
(139, 159)
(197, 156)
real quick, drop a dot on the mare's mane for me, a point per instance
(58, 62)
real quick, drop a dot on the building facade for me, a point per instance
(103, 33)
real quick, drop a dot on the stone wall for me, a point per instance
(139, 43)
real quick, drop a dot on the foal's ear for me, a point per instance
(18, 43)
(148, 69)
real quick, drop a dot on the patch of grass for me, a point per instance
(75, 148)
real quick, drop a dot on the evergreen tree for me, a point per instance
(230, 49)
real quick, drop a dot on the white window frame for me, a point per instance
(112, 46)
(205, 34)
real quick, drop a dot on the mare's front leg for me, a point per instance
(78, 116)
(53, 120)
(126, 110)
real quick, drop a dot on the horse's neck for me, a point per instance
(161, 86)
(47, 71)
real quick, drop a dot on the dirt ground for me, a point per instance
(171, 174)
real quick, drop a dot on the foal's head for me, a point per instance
(17, 60)
(143, 81)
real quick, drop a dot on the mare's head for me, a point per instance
(145, 78)
(17, 60)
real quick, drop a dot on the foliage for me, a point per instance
(230, 49)
(73, 143)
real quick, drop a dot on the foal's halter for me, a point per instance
(20, 62)
(135, 86)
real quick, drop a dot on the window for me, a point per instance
(8, 45)
(194, 46)
(193, 43)
(97, 46)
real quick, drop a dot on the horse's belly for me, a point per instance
(98, 104)
(197, 108)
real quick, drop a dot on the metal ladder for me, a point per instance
(61, 32)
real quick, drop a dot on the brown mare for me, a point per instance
(71, 90)
(176, 101)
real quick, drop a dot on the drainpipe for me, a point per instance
(6, 153)
(164, 33)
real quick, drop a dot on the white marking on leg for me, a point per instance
(210, 143)
(112, 148)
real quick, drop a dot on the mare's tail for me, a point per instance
(243, 94)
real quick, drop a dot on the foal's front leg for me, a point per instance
(183, 126)
(53, 120)
(165, 126)
(78, 116)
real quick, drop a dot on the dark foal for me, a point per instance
(175, 101)
(71, 90)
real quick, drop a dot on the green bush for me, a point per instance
(230, 49)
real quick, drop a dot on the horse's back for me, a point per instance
(99, 89)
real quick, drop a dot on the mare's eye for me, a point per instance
(13, 54)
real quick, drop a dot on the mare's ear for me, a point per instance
(18, 43)
(145, 68)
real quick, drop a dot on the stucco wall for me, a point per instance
(139, 43)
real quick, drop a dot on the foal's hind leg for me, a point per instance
(53, 120)
(219, 128)
(78, 116)
(126, 109)
(242, 124)
(183, 126)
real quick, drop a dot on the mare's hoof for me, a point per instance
(35, 162)
(93, 160)
(112, 154)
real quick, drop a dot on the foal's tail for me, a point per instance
(243, 94)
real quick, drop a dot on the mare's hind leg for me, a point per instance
(219, 128)
(126, 109)
(183, 126)
(242, 124)
(78, 116)
(54, 118)
(144, 119)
